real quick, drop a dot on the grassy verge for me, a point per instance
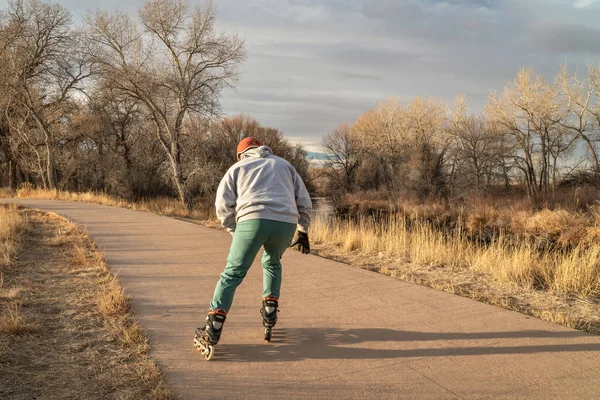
(160, 205)
(575, 271)
(67, 330)
(12, 227)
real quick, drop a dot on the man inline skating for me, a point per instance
(261, 201)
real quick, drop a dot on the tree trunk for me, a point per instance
(12, 170)
(12, 175)
(50, 165)
(174, 157)
(506, 180)
(178, 178)
(593, 151)
(532, 186)
(543, 188)
(554, 176)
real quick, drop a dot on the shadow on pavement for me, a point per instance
(307, 343)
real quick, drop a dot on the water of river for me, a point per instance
(322, 209)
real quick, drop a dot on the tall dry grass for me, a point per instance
(160, 205)
(574, 270)
(12, 227)
(12, 322)
(113, 300)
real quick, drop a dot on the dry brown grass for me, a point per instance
(7, 192)
(63, 279)
(575, 271)
(513, 216)
(161, 205)
(113, 300)
(553, 249)
(131, 336)
(481, 217)
(3, 348)
(31, 192)
(13, 323)
(79, 254)
(12, 227)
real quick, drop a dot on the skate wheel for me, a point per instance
(268, 334)
(207, 350)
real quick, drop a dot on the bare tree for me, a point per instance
(45, 63)
(175, 64)
(477, 149)
(593, 107)
(424, 123)
(8, 156)
(380, 133)
(123, 129)
(529, 113)
(581, 100)
(344, 156)
(225, 134)
(409, 143)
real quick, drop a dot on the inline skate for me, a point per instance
(269, 315)
(208, 336)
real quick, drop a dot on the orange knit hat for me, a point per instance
(246, 144)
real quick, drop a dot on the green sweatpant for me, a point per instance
(248, 238)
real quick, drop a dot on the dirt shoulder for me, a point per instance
(66, 328)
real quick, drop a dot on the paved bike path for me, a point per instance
(343, 332)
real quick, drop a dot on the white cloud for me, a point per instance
(583, 3)
(313, 64)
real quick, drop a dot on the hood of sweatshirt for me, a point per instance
(258, 152)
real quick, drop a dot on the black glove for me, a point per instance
(301, 239)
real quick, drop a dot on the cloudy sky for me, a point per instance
(313, 64)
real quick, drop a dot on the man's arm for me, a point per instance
(225, 202)
(303, 203)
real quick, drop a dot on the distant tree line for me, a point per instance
(535, 134)
(125, 105)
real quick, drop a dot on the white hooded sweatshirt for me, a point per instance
(262, 186)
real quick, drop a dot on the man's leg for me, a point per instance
(247, 240)
(280, 238)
